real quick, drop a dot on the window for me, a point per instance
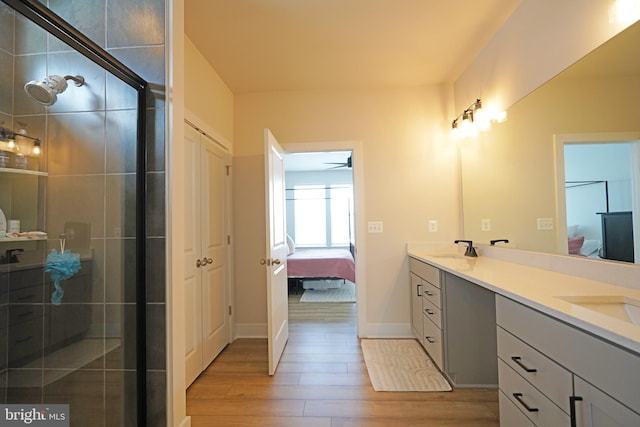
(323, 214)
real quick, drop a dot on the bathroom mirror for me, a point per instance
(513, 176)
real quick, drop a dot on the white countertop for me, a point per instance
(540, 289)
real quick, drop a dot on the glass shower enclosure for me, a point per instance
(72, 312)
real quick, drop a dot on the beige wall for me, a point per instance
(540, 39)
(410, 176)
(208, 100)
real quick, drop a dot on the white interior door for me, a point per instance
(276, 257)
(192, 247)
(215, 319)
(205, 257)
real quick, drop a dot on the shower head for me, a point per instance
(45, 91)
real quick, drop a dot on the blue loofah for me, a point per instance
(61, 266)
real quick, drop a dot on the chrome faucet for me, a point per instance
(470, 251)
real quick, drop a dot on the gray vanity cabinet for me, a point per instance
(555, 374)
(426, 303)
(454, 320)
(469, 318)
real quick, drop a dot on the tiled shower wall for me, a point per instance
(90, 144)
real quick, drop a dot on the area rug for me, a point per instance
(345, 293)
(401, 365)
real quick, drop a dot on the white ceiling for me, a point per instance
(306, 162)
(282, 45)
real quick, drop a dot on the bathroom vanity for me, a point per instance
(566, 349)
(31, 326)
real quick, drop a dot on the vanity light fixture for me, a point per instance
(36, 148)
(473, 119)
(10, 137)
(624, 11)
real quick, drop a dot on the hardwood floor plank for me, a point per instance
(321, 381)
(227, 421)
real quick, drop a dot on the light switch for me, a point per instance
(545, 223)
(374, 227)
(485, 224)
(433, 226)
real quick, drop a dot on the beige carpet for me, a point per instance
(345, 293)
(401, 365)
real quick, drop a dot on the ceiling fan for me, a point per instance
(339, 165)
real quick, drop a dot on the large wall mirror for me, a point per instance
(562, 174)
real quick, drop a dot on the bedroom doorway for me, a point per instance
(322, 223)
(601, 194)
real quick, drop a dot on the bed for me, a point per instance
(325, 263)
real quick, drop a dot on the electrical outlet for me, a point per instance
(374, 226)
(545, 223)
(485, 224)
(433, 226)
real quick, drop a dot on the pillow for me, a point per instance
(575, 243)
(291, 245)
(572, 230)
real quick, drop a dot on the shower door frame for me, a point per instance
(55, 25)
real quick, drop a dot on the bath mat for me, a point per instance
(401, 365)
(345, 293)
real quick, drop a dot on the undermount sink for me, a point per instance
(619, 307)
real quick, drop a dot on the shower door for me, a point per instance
(72, 270)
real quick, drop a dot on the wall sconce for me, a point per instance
(624, 11)
(10, 137)
(474, 119)
(36, 148)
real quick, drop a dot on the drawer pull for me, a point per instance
(430, 340)
(429, 293)
(572, 408)
(518, 397)
(429, 311)
(418, 289)
(518, 359)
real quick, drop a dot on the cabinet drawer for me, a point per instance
(538, 408)
(549, 377)
(28, 295)
(432, 312)
(432, 340)
(510, 415)
(582, 353)
(428, 272)
(432, 293)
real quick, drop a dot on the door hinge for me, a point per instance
(228, 169)
(228, 239)
(230, 311)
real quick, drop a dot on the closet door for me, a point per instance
(192, 247)
(215, 317)
(205, 257)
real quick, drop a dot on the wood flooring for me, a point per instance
(321, 381)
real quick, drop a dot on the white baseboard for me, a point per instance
(388, 330)
(251, 330)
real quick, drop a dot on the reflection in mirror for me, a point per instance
(599, 199)
(512, 176)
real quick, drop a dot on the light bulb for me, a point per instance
(36, 148)
(11, 143)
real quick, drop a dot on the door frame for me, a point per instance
(560, 140)
(359, 217)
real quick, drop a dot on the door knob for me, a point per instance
(270, 261)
